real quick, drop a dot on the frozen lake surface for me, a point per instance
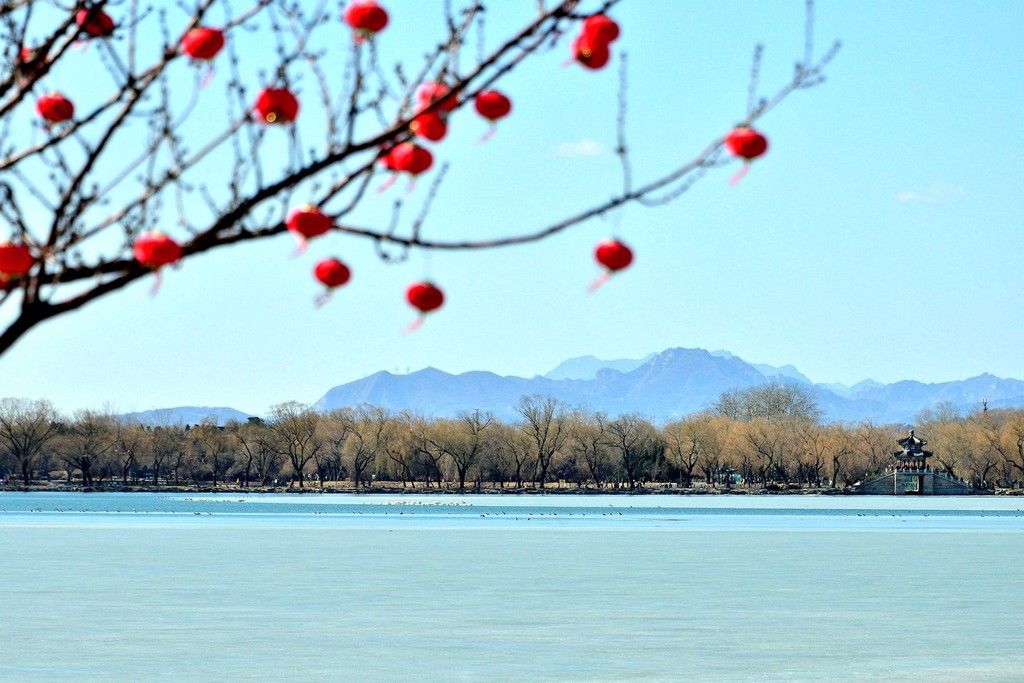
(526, 587)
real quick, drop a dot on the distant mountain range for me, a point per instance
(182, 415)
(662, 386)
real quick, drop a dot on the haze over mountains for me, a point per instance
(662, 386)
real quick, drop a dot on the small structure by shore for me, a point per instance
(910, 475)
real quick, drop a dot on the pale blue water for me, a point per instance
(339, 587)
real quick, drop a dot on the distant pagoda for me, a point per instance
(910, 475)
(913, 456)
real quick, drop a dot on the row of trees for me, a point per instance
(764, 437)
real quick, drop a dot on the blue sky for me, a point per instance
(880, 237)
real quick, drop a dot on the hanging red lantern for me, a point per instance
(15, 259)
(748, 144)
(55, 107)
(431, 92)
(308, 222)
(492, 105)
(431, 126)
(366, 18)
(410, 158)
(425, 297)
(407, 157)
(95, 22)
(600, 27)
(590, 52)
(276, 105)
(332, 273)
(614, 256)
(202, 43)
(156, 250)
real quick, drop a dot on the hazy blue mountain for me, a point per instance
(183, 415)
(907, 398)
(672, 383)
(784, 371)
(865, 385)
(837, 389)
(586, 367)
(435, 392)
(665, 386)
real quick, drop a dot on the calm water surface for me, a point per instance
(340, 587)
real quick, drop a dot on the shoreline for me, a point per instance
(399, 490)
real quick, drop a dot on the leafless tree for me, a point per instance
(131, 443)
(545, 421)
(212, 448)
(80, 193)
(166, 442)
(690, 442)
(26, 427)
(592, 445)
(463, 440)
(297, 436)
(639, 446)
(91, 437)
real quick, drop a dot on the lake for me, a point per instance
(510, 587)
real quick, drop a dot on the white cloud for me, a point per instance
(581, 148)
(938, 193)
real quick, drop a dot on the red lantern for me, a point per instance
(365, 17)
(332, 273)
(55, 108)
(746, 142)
(202, 43)
(590, 52)
(95, 22)
(601, 28)
(614, 256)
(155, 250)
(407, 157)
(430, 126)
(308, 222)
(492, 105)
(431, 92)
(15, 259)
(411, 158)
(424, 296)
(276, 105)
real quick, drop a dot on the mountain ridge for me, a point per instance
(661, 386)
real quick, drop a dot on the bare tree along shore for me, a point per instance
(768, 438)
